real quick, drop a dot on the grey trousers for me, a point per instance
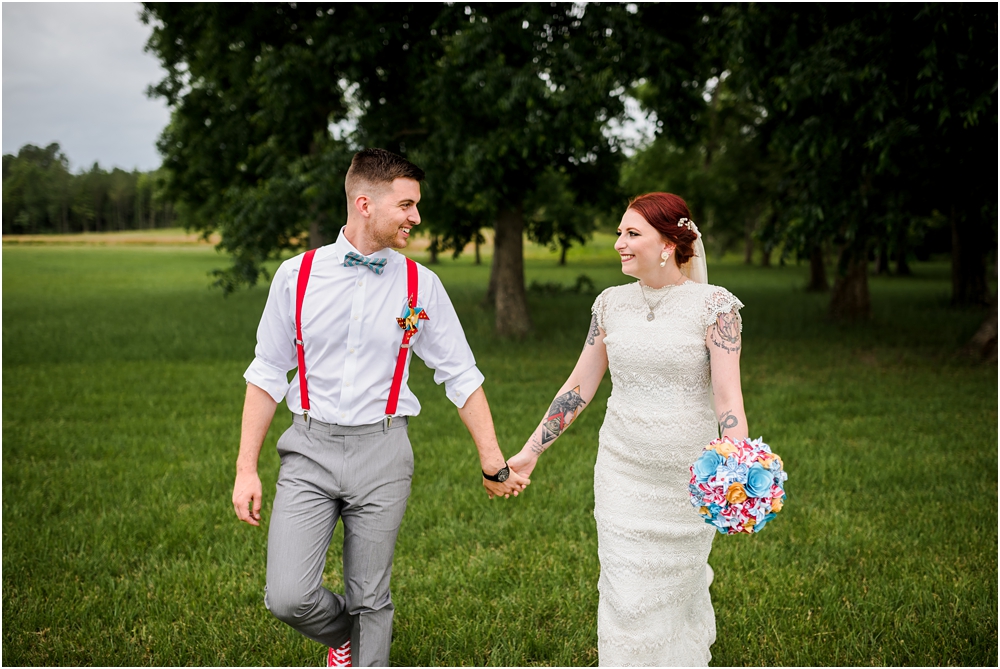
(328, 472)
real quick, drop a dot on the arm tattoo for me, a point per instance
(594, 332)
(728, 421)
(561, 413)
(727, 333)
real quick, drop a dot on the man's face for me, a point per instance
(394, 213)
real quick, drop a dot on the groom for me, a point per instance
(348, 315)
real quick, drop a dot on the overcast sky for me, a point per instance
(76, 73)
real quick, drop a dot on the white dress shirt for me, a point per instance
(352, 338)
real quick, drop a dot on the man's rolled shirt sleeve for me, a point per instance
(442, 345)
(274, 355)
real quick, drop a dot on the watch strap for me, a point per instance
(496, 477)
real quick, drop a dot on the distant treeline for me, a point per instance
(41, 195)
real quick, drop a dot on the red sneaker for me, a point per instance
(340, 656)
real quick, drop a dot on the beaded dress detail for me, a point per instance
(655, 607)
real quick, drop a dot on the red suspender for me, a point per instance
(300, 292)
(397, 377)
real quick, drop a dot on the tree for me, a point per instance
(725, 175)
(859, 105)
(954, 105)
(515, 97)
(35, 190)
(489, 99)
(41, 195)
(519, 105)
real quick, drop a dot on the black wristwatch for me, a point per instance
(500, 476)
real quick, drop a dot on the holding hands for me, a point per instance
(505, 482)
(578, 390)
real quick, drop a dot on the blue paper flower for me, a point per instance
(758, 483)
(763, 521)
(706, 466)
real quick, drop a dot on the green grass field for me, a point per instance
(122, 393)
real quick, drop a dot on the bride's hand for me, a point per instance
(524, 462)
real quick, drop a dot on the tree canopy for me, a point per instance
(41, 195)
(798, 127)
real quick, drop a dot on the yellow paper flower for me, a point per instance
(766, 461)
(723, 448)
(704, 511)
(776, 504)
(736, 494)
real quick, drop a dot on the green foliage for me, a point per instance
(122, 402)
(727, 178)
(863, 105)
(502, 105)
(516, 109)
(41, 195)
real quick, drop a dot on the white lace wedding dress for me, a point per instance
(655, 607)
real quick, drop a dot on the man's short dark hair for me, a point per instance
(379, 168)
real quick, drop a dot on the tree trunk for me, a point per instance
(316, 238)
(765, 256)
(562, 255)
(817, 272)
(968, 261)
(850, 300)
(983, 344)
(491, 289)
(882, 259)
(512, 317)
(748, 227)
(434, 250)
(478, 239)
(902, 266)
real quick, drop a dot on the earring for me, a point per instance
(665, 256)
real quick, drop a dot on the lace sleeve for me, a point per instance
(721, 301)
(599, 308)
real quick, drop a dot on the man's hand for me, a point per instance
(247, 494)
(514, 484)
(258, 409)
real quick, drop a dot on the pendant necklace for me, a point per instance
(650, 316)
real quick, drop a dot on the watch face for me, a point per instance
(503, 474)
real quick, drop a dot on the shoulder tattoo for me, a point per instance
(726, 334)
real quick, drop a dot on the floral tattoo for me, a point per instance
(726, 334)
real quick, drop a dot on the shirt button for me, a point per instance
(355, 318)
(361, 283)
(352, 350)
(348, 383)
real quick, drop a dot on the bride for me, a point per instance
(672, 341)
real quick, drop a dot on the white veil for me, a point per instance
(695, 268)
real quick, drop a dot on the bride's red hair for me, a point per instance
(663, 211)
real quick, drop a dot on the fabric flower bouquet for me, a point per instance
(738, 486)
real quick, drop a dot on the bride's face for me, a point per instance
(640, 245)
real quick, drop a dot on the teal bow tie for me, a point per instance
(352, 259)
